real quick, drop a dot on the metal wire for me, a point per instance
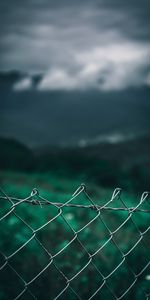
(67, 280)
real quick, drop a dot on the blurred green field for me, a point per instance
(60, 230)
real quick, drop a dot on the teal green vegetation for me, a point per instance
(47, 231)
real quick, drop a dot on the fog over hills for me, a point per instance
(65, 117)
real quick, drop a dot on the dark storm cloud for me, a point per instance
(137, 14)
(132, 15)
(102, 44)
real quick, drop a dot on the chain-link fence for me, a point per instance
(74, 250)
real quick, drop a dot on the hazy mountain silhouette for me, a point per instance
(125, 164)
(59, 117)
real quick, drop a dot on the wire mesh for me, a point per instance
(55, 250)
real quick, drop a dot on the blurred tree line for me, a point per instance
(101, 165)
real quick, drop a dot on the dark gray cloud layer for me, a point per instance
(103, 44)
(99, 46)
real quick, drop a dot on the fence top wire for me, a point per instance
(35, 198)
(41, 201)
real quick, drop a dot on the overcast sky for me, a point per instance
(101, 44)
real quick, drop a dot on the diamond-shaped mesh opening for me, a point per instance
(27, 264)
(74, 249)
(8, 289)
(88, 281)
(20, 233)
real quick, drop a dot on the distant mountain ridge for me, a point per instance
(9, 78)
(132, 151)
(14, 155)
(39, 118)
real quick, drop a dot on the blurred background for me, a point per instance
(74, 99)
